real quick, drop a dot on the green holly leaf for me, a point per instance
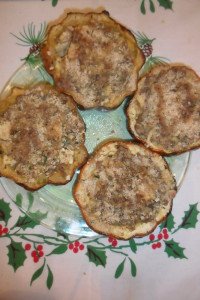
(167, 4)
(142, 7)
(54, 2)
(173, 249)
(38, 216)
(151, 5)
(97, 256)
(133, 268)
(25, 221)
(49, 278)
(120, 269)
(190, 218)
(4, 211)
(18, 199)
(168, 223)
(133, 245)
(37, 273)
(30, 199)
(16, 255)
(59, 250)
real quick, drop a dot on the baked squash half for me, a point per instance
(41, 136)
(124, 190)
(165, 111)
(93, 58)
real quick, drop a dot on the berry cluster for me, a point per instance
(113, 241)
(3, 230)
(36, 254)
(76, 246)
(147, 50)
(162, 235)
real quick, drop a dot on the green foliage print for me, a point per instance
(25, 245)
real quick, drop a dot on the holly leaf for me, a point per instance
(25, 221)
(4, 211)
(54, 2)
(59, 250)
(168, 223)
(142, 8)
(49, 278)
(37, 273)
(133, 268)
(97, 256)
(133, 245)
(18, 199)
(120, 269)
(190, 218)
(16, 255)
(151, 5)
(167, 4)
(173, 249)
(30, 199)
(38, 216)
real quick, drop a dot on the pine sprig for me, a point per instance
(142, 39)
(158, 60)
(151, 62)
(28, 37)
(35, 63)
(32, 39)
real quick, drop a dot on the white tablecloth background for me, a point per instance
(158, 276)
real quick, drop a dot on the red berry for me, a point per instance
(1, 227)
(5, 230)
(114, 243)
(165, 231)
(75, 250)
(160, 236)
(35, 259)
(76, 243)
(1, 232)
(81, 247)
(152, 237)
(34, 253)
(39, 247)
(166, 236)
(159, 244)
(154, 246)
(71, 246)
(110, 239)
(40, 253)
(27, 247)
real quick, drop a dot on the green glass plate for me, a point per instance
(60, 212)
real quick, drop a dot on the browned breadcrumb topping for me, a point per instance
(126, 189)
(95, 62)
(170, 116)
(39, 134)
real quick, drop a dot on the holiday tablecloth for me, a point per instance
(38, 263)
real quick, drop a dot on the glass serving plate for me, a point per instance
(54, 206)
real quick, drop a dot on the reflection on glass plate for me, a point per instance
(56, 202)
